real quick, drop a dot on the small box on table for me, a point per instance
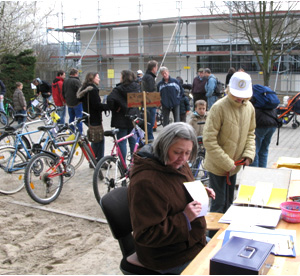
(241, 256)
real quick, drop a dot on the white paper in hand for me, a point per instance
(198, 193)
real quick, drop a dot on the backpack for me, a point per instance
(219, 89)
(264, 97)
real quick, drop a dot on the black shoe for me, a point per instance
(105, 166)
(91, 166)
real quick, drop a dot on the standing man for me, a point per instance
(229, 137)
(171, 93)
(148, 85)
(210, 87)
(198, 87)
(43, 88)
(58, 96)
(70, 88)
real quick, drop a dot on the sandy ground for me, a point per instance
(34, 241)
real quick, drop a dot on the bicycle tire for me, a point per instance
(9, 139)
(159, 118)
(11, 181)
(198, 170)
(78, 155)
(39, 186)
(50, 108)
(3, 119)
(108, 175)
(32, 112)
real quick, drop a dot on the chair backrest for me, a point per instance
(115, 208)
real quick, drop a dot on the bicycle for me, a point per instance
(45, 172)
(15, 157)
(7, 114)
(197, 168)
(112, 171)
(35, 108)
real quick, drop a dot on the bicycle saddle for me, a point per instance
(111, 133)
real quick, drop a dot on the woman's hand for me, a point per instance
(192, 210)
(210, 192)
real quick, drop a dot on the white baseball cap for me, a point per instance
(240, 85)
(139, 72)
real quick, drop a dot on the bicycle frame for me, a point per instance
(81, 142)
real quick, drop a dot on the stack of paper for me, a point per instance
(252, 216)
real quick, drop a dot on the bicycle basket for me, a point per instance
(141, 133)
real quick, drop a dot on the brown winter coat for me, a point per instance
(157, 198)
(228, 135)
(19, 101)
(195, 118)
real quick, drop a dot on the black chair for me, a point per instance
(115, 208)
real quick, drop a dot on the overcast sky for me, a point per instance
(86, 12)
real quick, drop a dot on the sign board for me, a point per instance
(110, 73)
(187, 67)
(136, 99)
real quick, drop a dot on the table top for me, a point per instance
(281, 265)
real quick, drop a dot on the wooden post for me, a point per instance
(145, 117)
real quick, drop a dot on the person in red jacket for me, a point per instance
(58, 96)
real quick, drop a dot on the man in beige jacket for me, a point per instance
(229, 137)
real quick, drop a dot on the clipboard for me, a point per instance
(283, 244)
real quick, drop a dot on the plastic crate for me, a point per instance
(290, 211)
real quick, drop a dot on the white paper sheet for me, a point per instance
(198, 193)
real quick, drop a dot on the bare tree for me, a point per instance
(20, 25)
(271, 28)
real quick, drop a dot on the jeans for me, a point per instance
(75, 111)
(98, 149)
(21, 119)
(61, 111)
(152, 115)
(123, 146)
(263, 138)
(210, 101)
(166, 114)
(220, 186)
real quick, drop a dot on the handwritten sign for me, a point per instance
(136, 99)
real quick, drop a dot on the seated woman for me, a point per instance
(167, 232)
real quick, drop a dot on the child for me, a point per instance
(184, 108)
(199, 115)
(19, 102)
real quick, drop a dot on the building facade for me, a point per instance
(182, 44)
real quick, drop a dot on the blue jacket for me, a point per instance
(170, 92)
(210, 85)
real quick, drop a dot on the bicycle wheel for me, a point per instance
(108, 175)
(43, 179)
(12, 164)
(33, 112)
(3, 119)
(159, 117)
(9, 139)
(198, 170)
(78, 155)
(50, 108)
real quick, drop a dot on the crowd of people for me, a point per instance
(167, 230)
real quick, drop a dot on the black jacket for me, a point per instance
(70, 88)
(266, 118)
(117, 102)
(44, 88)
(95, 107)
(148, 82)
